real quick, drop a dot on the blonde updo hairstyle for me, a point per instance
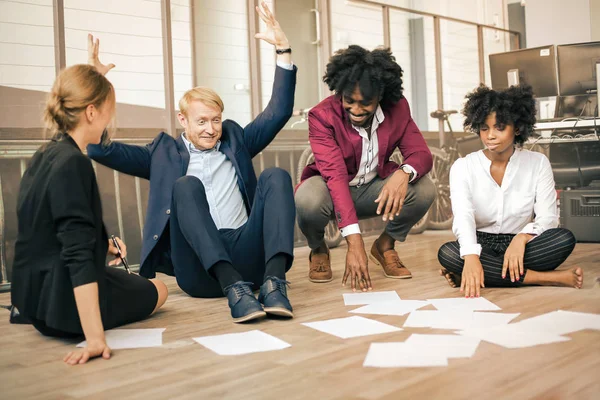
(75, 88)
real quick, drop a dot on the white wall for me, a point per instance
(131, 37)
(222, 55)
(27, 45)
(363, 24)
(130, 33)
(557, 22)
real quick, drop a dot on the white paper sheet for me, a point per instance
(561, 322)
(464, 304)
(447, 319)
(513, 336)
(394, 355)
(490, 319)
(242, 343)
(450, 346)
(351, 327)
(118, 339)
(357, 299)
(398, 307)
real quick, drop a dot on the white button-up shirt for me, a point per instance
(369, 161)
(220, 182)
(524, 203)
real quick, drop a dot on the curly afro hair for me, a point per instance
(515, 105)
(376, 73)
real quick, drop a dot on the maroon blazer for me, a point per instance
(337, 147)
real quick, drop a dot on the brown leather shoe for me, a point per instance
(319, 268)
(389, 260)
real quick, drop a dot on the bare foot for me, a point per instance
(568, 278)
(573, 277)
(452, 279)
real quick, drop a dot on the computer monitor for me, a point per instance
(577, 68)
(536, 67)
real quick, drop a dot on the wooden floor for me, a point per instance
(317, 366)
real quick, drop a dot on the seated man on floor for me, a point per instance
(504, 202)
(352, 134)
(208, 217)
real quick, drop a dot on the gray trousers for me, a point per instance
(314, 207)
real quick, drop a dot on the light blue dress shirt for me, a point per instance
(219, 178)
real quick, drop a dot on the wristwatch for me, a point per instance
(406, 169)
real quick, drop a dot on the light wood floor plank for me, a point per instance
(317, 366)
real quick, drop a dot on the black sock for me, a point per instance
(225, 274)
(276, 266)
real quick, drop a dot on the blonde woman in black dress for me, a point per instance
(60, 283)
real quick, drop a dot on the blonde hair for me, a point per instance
(74, 89)
(203, 94)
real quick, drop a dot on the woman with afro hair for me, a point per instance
(504, 202)
(352, 134)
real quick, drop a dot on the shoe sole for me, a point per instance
(279, 311)
(372, 258)
(250, 317)
(320, 280)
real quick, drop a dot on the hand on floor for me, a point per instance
(472, 276)
(357, 268)
(92, 350)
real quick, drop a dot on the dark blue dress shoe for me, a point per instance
(273, 296)
(243, 304)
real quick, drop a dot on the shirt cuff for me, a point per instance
(414, 171)
(532, 229)
(350, 230)
(469, 249)
(287, 66)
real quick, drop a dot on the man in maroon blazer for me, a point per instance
(353, 134)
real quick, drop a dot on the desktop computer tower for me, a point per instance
(580, 213)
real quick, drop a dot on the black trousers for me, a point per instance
(197, 244)
(544, 253)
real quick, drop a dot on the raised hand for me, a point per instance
(274, 34)
(93, 48)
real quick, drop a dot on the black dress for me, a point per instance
(62, 244)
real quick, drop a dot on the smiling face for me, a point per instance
(202, 124)
(360, 111)
(499, 139)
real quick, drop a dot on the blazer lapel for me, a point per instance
(184, 153)
(383, 137)
(356, 141)
(229, 153)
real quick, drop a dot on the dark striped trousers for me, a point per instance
(544, 253)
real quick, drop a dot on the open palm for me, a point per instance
(274, 34)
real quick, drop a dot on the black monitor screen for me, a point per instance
(577, 67)
(537, 67)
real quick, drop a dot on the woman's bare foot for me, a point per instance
(452, 279)
(568, 278)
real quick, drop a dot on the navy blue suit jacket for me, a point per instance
(166, 159)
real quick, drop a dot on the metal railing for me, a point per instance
(282, 153)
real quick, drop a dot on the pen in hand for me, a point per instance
(120, 254)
